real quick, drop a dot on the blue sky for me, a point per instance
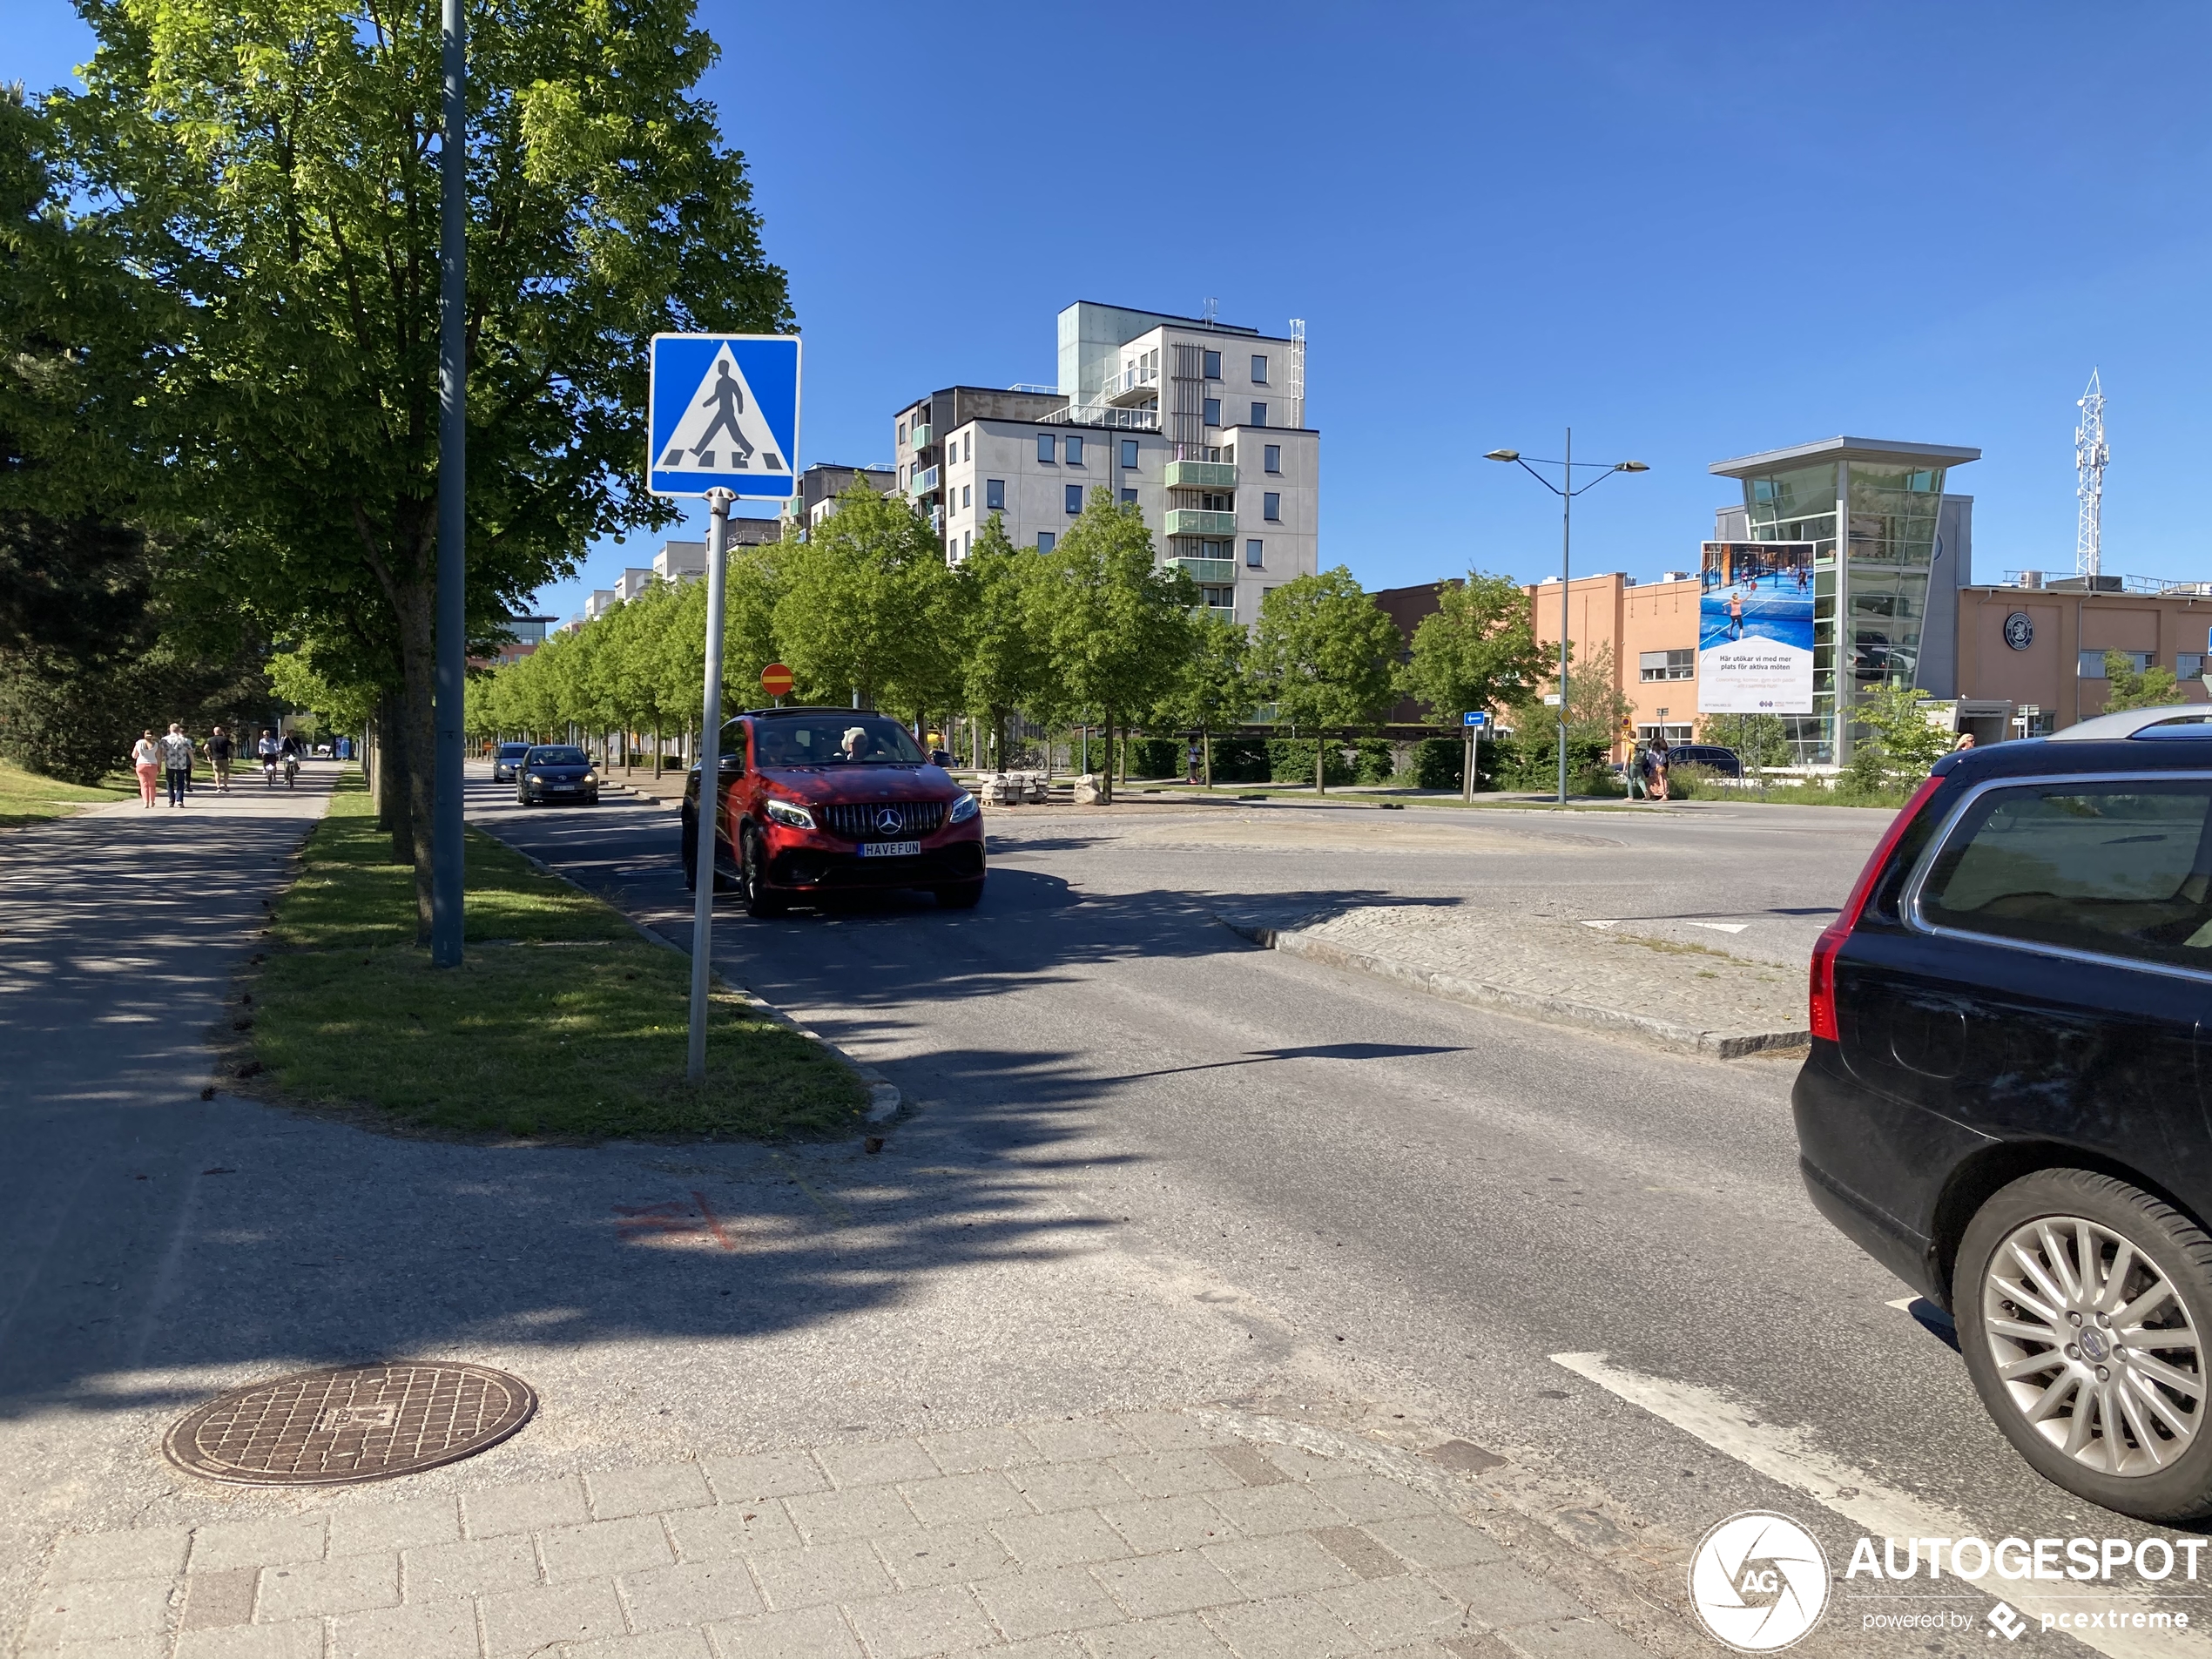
(1691, 230)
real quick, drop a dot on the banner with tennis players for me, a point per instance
(1755, 629)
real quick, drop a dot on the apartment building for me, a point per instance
(1200, 423)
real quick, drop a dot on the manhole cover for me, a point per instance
(351, 1423)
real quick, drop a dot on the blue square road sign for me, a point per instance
(1475, 718)
(724, 415)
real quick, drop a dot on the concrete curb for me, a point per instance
(1552, 1010)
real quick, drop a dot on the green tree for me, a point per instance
(1903, 742)
(1005, 663)
(1477, 650)
(273, 172)
(1215, 688)
(1595, 708)
(1326, 656)
(1761, 741)
(1116, 623)
(2129, 687)
(856, 599)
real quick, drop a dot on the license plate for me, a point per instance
(569, 787)
(890, 849)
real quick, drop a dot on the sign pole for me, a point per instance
(710, 810)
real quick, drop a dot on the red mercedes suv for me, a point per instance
(816, 801)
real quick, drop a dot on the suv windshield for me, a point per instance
(513, 751)
(556, 758)
(833, 739)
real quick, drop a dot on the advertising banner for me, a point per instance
(1755, 629)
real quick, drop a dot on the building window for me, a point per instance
(2092, 663)
(1260, 415)
(967, 495)
(1271, 457)
(1045, 448)
(1129, 454)
(1259, 370)
(1130, 496)
(1271, 507)
(1047, 540)
(1213, 365)
(1075, 450)
(902, 431)
(1075, 499)
(995, 495)
(1221, 501)
(2189, 666)
(1213, 411)
(1251, 555)
(1667, 664)
(1219, 598)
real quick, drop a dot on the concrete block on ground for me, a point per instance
(1042, 1603)
(276, 1542)
(1568, 1639)
(1498, 1595)
(1374, 1497)
(1155, 1524)
(1357, 1550)
(95, 1610)
(1387, 1610)
(920, 1560)
(1280, 1564)
(1071, 1439)
(810, 1633)
(797, 1578)
(216, 1601)
(1248, 1465)
(319, 1590)
(917, 1622)
(108, 1648)
(372, 1528)
(474, 1567)
(1293, 1627)
(766, 1474)
(623, 1493)
(1291, 1506)
(1168, 1431)
(301, 1639)
(1073, 1485)
(661, 1644)
(519, 1621)
(984, 1496)
(695, 1593)
(862, 1511)
(149, 1552)
(1066, 1538)
(602, 1549)
(497, 1511)
(1173, 1473)
(968, 1450)
(431, 1630)
(1183, 1637)
(878, 1463)
(1435, 1540)
(1151, 1585)
(732, 1529)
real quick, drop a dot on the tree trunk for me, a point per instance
(656, 748)
(1107, 794)
(1320, 764)
(394, 804)
(1205, 752)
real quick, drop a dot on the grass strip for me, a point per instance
(27, 798)
(561, 1022)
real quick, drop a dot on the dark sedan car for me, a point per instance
(555, 772)
(1723, 762)
(2006, 1099)
(504, 759)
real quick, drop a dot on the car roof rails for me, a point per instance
(2137, 723)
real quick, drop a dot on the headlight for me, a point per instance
(537, 776)
(782, 812)
(591, 776)
(964, 808)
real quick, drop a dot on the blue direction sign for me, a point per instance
(1475, 718)
(723, 415)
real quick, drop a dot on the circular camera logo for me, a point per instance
(1759, 1582)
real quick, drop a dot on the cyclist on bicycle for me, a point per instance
(290, 750)
(268, 750)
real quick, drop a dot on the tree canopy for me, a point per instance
(1326, 655)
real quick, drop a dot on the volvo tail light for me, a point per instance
(1823, 1008)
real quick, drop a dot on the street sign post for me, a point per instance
(776, 680)
(1474, 720)
(722, 421)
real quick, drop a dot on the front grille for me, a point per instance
(883, 821)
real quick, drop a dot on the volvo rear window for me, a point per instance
(2122, 869)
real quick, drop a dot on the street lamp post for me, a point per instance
(1566, 492)
(447, 863)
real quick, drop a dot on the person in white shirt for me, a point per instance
(177, 757)
(268, 749)
(145, 755)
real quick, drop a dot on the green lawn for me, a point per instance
(561, 1022)
(26, 797)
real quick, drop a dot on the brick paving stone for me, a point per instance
(497, 1511)
(1151, 1585)
(1183, 1637)
(695, 1593)
(604, 1547)
(1499, 1593)
(766, 1474)
(1568, 1639)
(104, 1608)
(1435, 1540)
(1248, 1466)
(847, 1572)
(518, 1622)
(916, 1623)
(811, 1633)
(1300, 1464)
(301, 1639)
(863, 1512)
(877, 1464)
(151, 1552)
(1291, 1628)
(661, 1644)
(379, 1526)
(432, 1630)
(1172, 1474)
(950, 1498)
(1059, 1647)
(623, 1493)
(1082, 1437)
(967, 1450)
(1288, 1508)
(474, 1567)
(113, 1647)
(1064, 1539)
(216, 1601)
(1042, 1603)
(1374, 1497)
(732, 1529)
(318, 1589)
(1358, 1552)
(1072, 1485)
(1282, 1564)
(1394, 1609)
(226, 1544)
(920, 1560)
(1168, 1431)
(1154, 1524)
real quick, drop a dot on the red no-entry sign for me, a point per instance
(775, 679)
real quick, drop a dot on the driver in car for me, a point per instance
(857, 744)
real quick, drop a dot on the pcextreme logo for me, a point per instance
(1759, 1582)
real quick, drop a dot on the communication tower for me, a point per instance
(1297, 371)
(2089, 457)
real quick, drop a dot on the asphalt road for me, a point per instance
(1429, 1200)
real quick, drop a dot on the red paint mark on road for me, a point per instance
(671, 1218)
(713, 1225)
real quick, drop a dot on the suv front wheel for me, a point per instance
(2084, 1308)
(760, 898)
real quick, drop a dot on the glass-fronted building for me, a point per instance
(1872, 511)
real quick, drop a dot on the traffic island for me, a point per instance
(561, 1023)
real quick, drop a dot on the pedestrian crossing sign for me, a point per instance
(724, 415)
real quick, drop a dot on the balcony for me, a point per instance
(1193, 520)
(1219, 572)
(924, 482)
(1137, 384)
(1144, 418)
(1202, 474)
(919, 437)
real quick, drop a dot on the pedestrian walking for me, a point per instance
(1659, 770)
(145, 757)
(221, 750)
(1193, 759)
(176, 760)
(1632, 774)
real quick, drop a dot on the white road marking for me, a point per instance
(1600, 924)
(1723, 927)
(1788, 1455)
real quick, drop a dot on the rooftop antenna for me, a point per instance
(1212, 306)
(2090, 455)
(1297, 371)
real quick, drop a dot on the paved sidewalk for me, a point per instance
(1143, 1535)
